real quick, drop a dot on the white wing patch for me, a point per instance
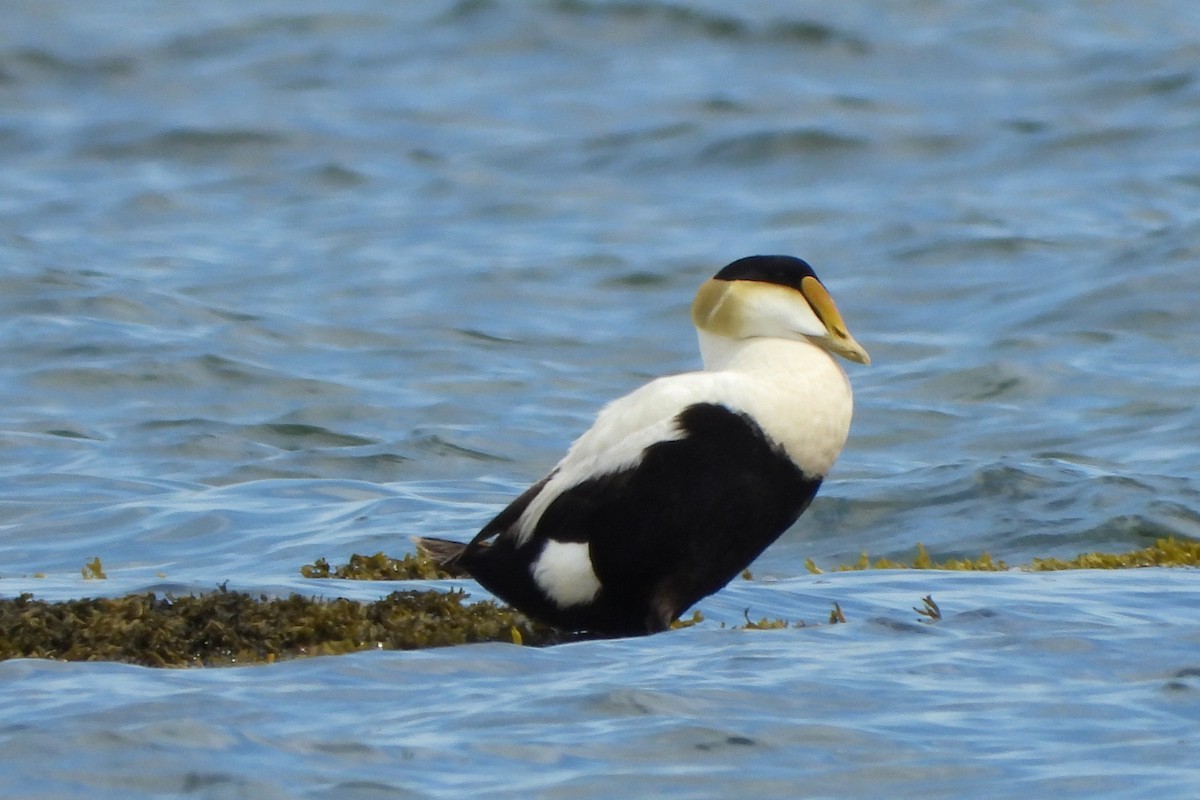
(564, 572)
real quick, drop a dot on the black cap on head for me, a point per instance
(782, 270)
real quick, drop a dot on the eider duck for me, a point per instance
(681, 484)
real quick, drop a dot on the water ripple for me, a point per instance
(282, 283)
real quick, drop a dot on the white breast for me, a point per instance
(798, 395)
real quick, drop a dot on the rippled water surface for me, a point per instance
(281, 282)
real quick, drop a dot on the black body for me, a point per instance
(680, 524)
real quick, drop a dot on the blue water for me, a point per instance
(280, 282)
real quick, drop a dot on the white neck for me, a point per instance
(721, 353)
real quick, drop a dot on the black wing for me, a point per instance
(692, 514)
(506, 519)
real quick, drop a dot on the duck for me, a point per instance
(678, 486)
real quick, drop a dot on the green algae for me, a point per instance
(93, 570)
(766, 624)
(225, 628)
(1169, 552)
(379, 567)
(836, 617)
(687, 622)
(921, 560)
(929, 609)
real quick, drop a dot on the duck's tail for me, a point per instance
(442, 552)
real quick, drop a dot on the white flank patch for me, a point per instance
(564, 572)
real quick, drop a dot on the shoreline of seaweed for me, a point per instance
(227, 628)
